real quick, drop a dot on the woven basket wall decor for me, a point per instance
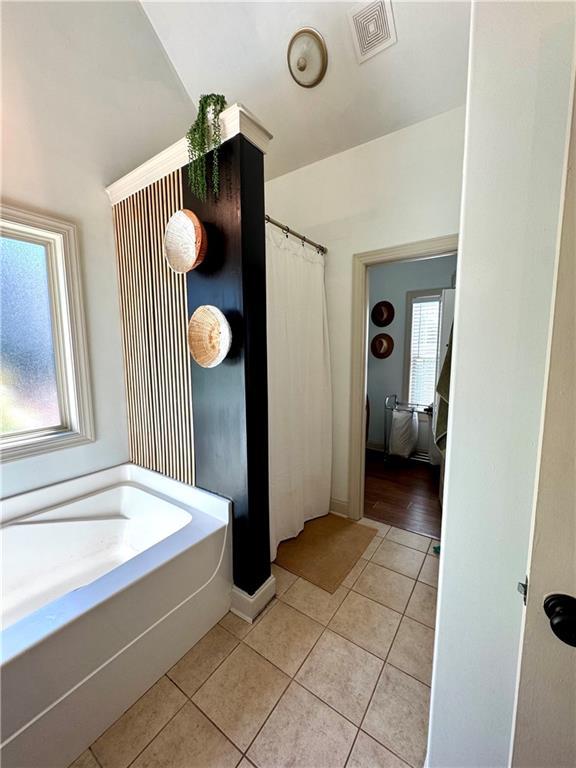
(185, 241)
(209, 336)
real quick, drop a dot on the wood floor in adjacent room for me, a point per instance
(403, 493)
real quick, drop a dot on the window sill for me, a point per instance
(27, 446)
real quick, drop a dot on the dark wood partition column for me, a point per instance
(230, 402)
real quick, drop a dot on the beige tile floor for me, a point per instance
(320, 680)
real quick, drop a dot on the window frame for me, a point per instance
(60, 240)
(411, 296)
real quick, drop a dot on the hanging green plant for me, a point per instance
(204, 135)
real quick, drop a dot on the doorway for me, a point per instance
(400, 490)
(410, 307)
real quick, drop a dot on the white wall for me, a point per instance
(518, 109)
(391, 282)
(87, 95)
(401, 188)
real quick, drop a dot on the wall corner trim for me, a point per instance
(247, 606)
(234, 120)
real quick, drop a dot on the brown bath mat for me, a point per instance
(325, 551)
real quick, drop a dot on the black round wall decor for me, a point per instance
(382, 345)
(382, 313)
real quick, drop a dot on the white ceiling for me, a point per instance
(239, 49)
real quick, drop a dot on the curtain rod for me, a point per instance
(303, 238)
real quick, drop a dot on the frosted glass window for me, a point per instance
(423, 349)
(45, 400)
(29, 393)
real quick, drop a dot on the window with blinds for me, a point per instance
(425, 319)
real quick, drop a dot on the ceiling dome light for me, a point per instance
(307, 57)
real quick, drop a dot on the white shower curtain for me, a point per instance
(299, 387)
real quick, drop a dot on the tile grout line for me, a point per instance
(360, 730)
(336, 632)
(90, 748)
(416, 581)
(390, 664)
(357, 592)
(417, 621)
(348, 589)
(415, 533)
(382, 672)
(259, 731)
(314, 695)
(218, 728)
(387, 567)
(153, 739)
(349, 755)
(242, 641)
(422, 551)
(230, 652)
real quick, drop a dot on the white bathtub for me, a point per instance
(107, 580)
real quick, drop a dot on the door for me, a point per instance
(546, 706)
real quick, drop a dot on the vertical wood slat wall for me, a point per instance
(154, 324)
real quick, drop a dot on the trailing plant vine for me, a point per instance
(204, 135)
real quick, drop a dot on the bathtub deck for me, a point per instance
(269, 691)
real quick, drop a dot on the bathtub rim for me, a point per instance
(22, 519)
(18, 504)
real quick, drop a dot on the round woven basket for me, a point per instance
(209, 336)
(185, 241)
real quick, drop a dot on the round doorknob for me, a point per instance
(561, 610)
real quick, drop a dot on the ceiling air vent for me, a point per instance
(372, 28)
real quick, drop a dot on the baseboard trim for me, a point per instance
(339, 507)
(248, 607)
